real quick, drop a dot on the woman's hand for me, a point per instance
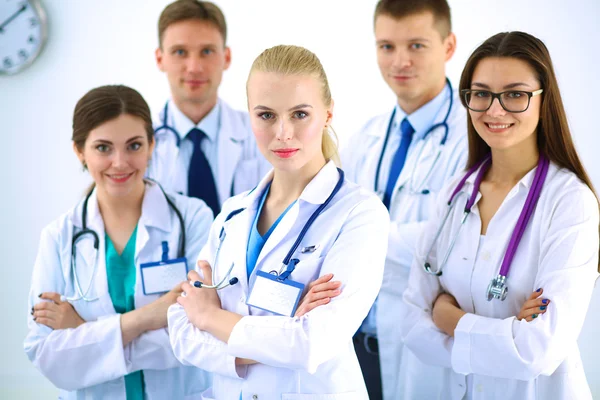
(533, 307)
(320, 292)
(200, 303)
(446, 313)
(55, 314)
(149, 317)
(156, 312)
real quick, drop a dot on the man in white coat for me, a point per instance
(405, 155)
(204, 148)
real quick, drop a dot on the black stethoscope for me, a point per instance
(444, 124)
(90, 232)
(289, 264)
(165, 126)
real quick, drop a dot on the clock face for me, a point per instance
(22, 34)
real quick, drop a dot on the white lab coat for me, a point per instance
(240, 164)
(402, 374)
(493, 355)
(311, 357)
(90, 361)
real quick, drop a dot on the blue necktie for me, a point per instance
(406, 130)
(201, 183)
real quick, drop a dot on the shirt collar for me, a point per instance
(210, 124)
(423, 118)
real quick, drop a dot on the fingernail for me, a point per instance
(545, 301)
(538, 289)
(534, 316)
(542, 307)
(40, 295)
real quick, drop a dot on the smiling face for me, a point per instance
(499, 128)
(194, 56)
(411, 55)
(288, 116)
(116, 154)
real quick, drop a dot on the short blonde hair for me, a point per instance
(295, 60)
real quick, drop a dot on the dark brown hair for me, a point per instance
(104, 104)
(402, 8)
(182, 10)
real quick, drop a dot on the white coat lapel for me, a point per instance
(237, 231)
(377, 133)
(231, 140)
(163, 165)
(313, 195)
(86, 254)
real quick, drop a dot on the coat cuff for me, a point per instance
(461, 350)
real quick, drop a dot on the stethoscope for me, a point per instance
(168, 128)
(288, 265)
(419, 189)
(81, 295)
(497, 289)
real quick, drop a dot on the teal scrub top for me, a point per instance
(255, 241)
(121, 275)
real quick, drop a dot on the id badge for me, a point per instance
(162, 276)
(271, 294)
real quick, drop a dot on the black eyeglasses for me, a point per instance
(514, 101)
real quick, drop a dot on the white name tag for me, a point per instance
(162, 276)
(280, 297)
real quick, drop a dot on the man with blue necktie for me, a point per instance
(204, 148)
(406, 155)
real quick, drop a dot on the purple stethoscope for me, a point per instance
(497, 288)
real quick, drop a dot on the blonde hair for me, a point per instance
(295, 60)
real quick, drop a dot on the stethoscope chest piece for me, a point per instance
(497, 288)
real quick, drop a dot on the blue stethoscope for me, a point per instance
(413, 188)
(81, 295)
(167, 127)
(289, 264)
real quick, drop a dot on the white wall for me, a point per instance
(112, 41)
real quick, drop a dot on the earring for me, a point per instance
(84, 165)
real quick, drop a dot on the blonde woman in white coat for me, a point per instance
(465, 318)
(253, 352)
(97, 329)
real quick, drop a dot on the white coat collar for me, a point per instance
(524, 184)
(155, 210)
(316, 192)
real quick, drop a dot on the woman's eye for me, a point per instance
(515, 95)
(386, 47)
(266, 116)
(417, 46)
(135, 146)
(300, 114)
(102, 148)
(481, 94)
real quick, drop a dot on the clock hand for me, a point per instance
(15, 15)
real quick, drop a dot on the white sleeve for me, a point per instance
(420, 335)
(152, 350)
(71, 359)
(567, 272)
(356, 259)
(192, 346)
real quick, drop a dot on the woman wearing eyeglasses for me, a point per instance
(504, 272)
